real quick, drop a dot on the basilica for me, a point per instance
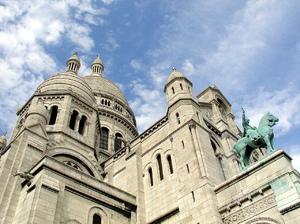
(75, 156)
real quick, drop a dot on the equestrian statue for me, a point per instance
(254, 138)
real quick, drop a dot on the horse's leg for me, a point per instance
(247, 155)
(269, 143)
(242, 157)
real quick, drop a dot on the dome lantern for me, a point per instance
(97, 66)
(73, 63)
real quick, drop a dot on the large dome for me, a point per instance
(105, 87)
(68, 82)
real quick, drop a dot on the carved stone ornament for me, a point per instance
(250, 210)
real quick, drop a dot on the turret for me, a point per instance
(73, 64)
(37, 114)
(97, 66)
(178, 87)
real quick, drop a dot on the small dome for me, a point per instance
(175, 74)
(68, 82)
(97, 61)
(73, 63)
(97, 66)
(40, 109)
(37, 114)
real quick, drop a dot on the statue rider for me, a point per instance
(246, 124)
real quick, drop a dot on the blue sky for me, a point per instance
(249, 49)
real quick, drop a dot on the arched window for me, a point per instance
(53, 115)
(82, 124)
(73, 119)
(160, 168)
(150, 176)
(181, 87)
(104, 138)
(170, 163)
(173, 90)
(219, 161)
(178, 118)
(118, 142)
(96, 219)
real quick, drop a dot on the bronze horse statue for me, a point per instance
(254, 138)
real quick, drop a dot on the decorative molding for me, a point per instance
(52, 97)
(119, 171)
(154, 128)
(54, 190)
(119, 119)
(290, 208)
(214, 129)
(79, 103)
(255, 220)
(120, 153)
(251, 210)
(165, 216)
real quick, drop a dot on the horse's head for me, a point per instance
(253, 136)
(272, 119)
(268, 120)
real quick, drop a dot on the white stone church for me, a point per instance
(75, 157)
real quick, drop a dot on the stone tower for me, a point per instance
(75, 156)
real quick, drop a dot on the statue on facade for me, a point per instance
(254, 138)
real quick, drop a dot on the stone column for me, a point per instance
(76, 126)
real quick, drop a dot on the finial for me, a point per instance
(174, 69)
(98, 55)
(76, 53)
(4, 134)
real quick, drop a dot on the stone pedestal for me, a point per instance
(266, 192)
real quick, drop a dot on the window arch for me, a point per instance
(173, 90)
(96, 219)
(181, 87)
(73, 119)
(178, 118)
(170, 164)
(150, 176)
(82, 124)
(118, 142)
(219, 160)
(53, 115)
(104, 138)
(160, 168)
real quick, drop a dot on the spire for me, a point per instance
(73, 63)
(97, 66)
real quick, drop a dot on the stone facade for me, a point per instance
(75, 156)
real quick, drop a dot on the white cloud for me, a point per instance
(188, 67)
(108, 1)
(111, 42)
(149, 105)
(136, 64)
(284, 104)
